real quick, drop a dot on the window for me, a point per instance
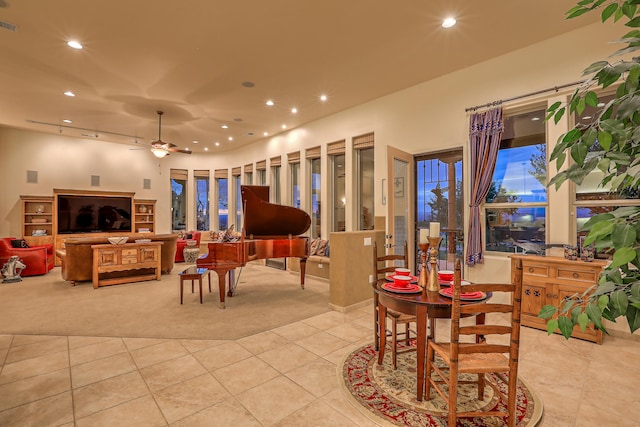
(248, 174)
(366, 182)
(339, 192)
(591, 197)
(294, 168)
(202, 199)
(515, 208)
(276, 197)
(236, 185)
(314, 182)
(440, 199)
(223, 203)
(178, 199)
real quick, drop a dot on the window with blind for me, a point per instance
(237, 188)
(363, 153)
(202, 199)
(294, 178)
(336, 153)
(223, 202)
(314, 187)
(178, 179)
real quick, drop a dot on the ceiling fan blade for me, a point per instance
(178, 150)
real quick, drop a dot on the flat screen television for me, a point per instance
(94, 214)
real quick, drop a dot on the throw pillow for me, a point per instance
(313, 246)
(326, 251)
(322, 247)
(19, 243)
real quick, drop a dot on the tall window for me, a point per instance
(276, 196)
(202, 199)
(516, 206)
(295, 184)
(339, 192)
(178, 199)
(363, 151)
(313, 157)
(222, 190)
(440, 199)
(592, 197)
(248, 174)
(236, 185)
(261, 168)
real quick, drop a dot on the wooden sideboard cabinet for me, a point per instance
(133, 258)
(548, 280)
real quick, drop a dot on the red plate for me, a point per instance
(411, 289)
(414, 279)
(464, 296)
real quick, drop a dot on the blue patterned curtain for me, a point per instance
(485, 132)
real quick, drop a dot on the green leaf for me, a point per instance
(628, 107)
(547, 312)
(590, 136)
(579, 153)
(576, 13)
(572, 135)
(555, 106)
(608, 11)
(623, 235)
(619, 301)
(593, 68)
(595, 315)
(628, 10)
(603, 301)
(633, 318)
(591, 99)
(583, 321)
(566, 326)
(560, 161)
(598, 230)
(635, 22)
(604, 139)
(558, 115)
(618, 15)
(622, 256)
(552, 325)
(635, 290)
(615, 127)
(603, 165)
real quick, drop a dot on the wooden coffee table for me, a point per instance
(194, 273)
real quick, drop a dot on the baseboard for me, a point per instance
(351, 307)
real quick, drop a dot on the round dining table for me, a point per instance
(424, 305)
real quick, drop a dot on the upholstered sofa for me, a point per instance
(77, 255)
(182, 243)
(318, 263)
(38, 259)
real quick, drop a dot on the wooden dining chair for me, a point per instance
(406, 335)
(470, 350)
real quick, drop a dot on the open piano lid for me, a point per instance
(262, 218)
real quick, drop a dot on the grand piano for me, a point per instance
(270, 231)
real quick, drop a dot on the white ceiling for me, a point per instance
(189, 59)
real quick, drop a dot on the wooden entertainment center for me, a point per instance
(40, 217)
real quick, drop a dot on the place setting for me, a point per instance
(402, 282)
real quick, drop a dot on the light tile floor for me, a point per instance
(282, 377)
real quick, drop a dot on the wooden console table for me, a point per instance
(108, 258)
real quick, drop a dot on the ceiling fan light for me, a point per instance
(159, 152)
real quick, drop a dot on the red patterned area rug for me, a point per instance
(387, 396)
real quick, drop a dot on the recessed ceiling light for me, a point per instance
(294, 110)
(69, 93)
(217, 144)
(206, 148)
(270, 103)
(67, 121)
(230, 138)
(224, 127)
(74, 44)
(323, 98)
(266, 134)
(449, 22)
(284, 126)
(194, 141)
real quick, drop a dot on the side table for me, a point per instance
(193, 273)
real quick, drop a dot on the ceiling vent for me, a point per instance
(8, 26)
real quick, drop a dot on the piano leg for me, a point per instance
(303, 269)
(222, 275)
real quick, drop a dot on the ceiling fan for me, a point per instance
(160, 148)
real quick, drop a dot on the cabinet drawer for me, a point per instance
(587, 276)
(129, 253)
(535, 270)
(129, 259)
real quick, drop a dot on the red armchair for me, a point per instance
(38, 259)
(182, 243)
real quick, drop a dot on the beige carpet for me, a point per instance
(266, 298)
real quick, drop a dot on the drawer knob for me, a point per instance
(530, 269)
(576, 275)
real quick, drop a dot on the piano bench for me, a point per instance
(194, 273)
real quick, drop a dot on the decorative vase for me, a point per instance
(142, 208)
(191, 253)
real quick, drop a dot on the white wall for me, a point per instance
(430, 116)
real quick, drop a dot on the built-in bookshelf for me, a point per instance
(37, 219)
